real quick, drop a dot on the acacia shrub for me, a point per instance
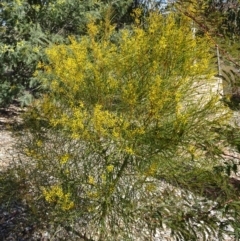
(121, 125)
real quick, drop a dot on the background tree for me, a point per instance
(28, 27)
(221, 21)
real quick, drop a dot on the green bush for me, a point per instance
(123, 144)
(28, 27)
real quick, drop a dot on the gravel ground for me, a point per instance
(17, 223)
(16, 219)
(6, 149)
(8, 118)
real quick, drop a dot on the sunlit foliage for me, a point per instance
(221, 21)
(27, 27)
(123, 134)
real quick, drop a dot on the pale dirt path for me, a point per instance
(8, 118)
(6, 149)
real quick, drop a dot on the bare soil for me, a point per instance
(16, 219)
(9, 117)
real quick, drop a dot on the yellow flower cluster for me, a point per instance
(137, 14)
(93, 194)
(64, 158)
(32, 153)
(129, 150)
(55, 194)
(18, 2)
(110, 168)
(60, 1)
(91, 180)
(103, 120)
(4, 48)
(39, 143)
(120, 84)
(151, 187)
(151, 170)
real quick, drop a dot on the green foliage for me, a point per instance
(28, 27)
(221, 21)
(124, 140)
(226, 28)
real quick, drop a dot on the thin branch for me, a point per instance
(205, 29)
(229, 155)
